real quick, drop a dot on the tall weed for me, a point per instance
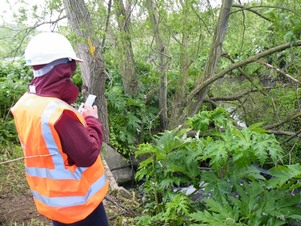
(223, 163)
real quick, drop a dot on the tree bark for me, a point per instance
(179, 102)
(161, 51)
(214, 55)
(92, 69)
(126, 57)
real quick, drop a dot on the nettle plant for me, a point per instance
(223, 162)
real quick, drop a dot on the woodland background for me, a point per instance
(207, 92)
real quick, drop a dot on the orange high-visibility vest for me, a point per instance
(63, 193)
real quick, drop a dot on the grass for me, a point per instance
(12, 175)
(33, 222)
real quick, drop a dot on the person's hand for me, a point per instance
(89, 111)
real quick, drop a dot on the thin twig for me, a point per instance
(12, 160)
(278, 70)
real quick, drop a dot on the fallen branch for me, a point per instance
(129, 211)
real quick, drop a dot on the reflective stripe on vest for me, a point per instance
(74, 200)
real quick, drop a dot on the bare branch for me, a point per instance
(242, 8)
(285, 133)
(291, 137)
(107, 24)
(242, 63)
(288, 119)
(30, 29)
(274, 7)
(281, 133)
(279, 71)
(201, 19)
(244, 74)
(238, 96)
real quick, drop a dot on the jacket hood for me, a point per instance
(56, 83)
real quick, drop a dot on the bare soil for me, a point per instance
(20, 210)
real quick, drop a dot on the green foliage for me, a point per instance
(286, 177)
(131, 122)
(77, 79)
(8, 133)
(9, 151)
(14, 79)
(236, 193)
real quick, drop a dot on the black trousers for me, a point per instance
(97, 218)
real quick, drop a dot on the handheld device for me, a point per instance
(89, 102)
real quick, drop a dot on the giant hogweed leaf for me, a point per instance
(205, 218)
(283, 174)
(220, 213)
(169, 183)
(279, 204)
(250, 146)
(216, 186)
(178, 205)
(257, 127)
(200, 122)
(242, 152)
(221, 189)
(275, 150)
(217, 153)
(145, 149)
(288, 205)
(211, 179)
(220, 117)
(181, 161)
(171, 140)
(265, 144)
(260, 153)
(241, 173)
(250, 195)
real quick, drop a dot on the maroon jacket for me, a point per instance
(81, 144)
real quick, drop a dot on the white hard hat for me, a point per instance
(47, 47)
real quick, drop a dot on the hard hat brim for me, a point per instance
(77, 59)
(42, 63)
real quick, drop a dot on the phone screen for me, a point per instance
(90, 100)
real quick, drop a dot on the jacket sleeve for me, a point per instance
(81, 144)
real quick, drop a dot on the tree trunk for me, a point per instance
(162, 65)
(92, 69)
(179, 102)
(126, 57)
(214, 55)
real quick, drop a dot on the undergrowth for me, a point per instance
(222, 163)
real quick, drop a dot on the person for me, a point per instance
(61, 145)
